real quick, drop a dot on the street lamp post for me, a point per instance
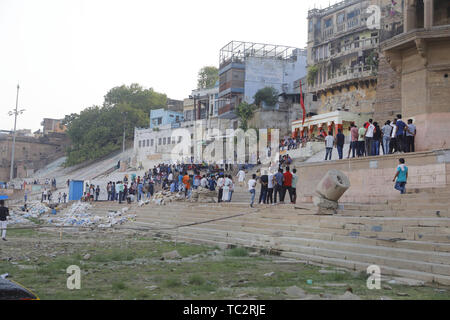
(15, 112)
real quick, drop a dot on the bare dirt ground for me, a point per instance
(136, 265)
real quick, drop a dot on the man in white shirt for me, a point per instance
(204, 182)
(220, 185)
(241, 177)
(393, 143)
(251, 189)
(270, 188)
(329, 144)
(226, 189)
(369, 137)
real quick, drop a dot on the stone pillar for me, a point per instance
(428, 15)
(410, 18)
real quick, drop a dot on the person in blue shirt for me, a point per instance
(172, 187)
(400, 133)
(401, 176)
(212, 183)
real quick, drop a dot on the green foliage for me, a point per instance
(98, 130)
(245, 112)
(268, 95)
(207, 77)
(237, 252)
(312, 74)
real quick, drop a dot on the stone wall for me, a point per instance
(30, 153)
(388, 102)
(271, 119)
(371, 178)
(354, 99)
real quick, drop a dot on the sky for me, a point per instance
(67, 54)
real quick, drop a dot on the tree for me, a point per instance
(245, 112)
(312, 74)
(97, 131)
(207, 77)
(268, 95)
(135, 96)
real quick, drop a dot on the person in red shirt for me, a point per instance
(287, 184)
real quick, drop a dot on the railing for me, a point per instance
(345, 75)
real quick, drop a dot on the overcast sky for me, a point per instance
(66, 54)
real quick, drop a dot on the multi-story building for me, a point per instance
(162, 117)
(420, 57)
(246, 67)
(52, 125)
(343, 60)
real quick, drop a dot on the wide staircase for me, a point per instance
(409, 237)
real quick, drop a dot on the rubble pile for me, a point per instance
(35, 209)
(163, 197)
(204, 196)
(79, 214)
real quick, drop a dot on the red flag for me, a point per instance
(302, 103)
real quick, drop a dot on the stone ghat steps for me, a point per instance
(329, 239)
(327, 252)
(327, 228)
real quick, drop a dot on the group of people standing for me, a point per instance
(370, 139)
(273, 185)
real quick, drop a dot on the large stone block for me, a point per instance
(333, 185)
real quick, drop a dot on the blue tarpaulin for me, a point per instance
(3, 197)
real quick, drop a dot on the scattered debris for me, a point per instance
(172, 255)
(386, 287)
(87, 256)
(270, 274)
(402, 294)
(152, 288)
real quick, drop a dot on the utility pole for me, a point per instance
(123, 141)
(16, 112)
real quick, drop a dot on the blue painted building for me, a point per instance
(161, 117)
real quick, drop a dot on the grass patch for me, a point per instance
(237, 252)
(115, 255)
(196, 280)
(172, 283)
(118, 286)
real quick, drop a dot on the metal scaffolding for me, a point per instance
(238, 51)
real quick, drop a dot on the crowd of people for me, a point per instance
(370, 139)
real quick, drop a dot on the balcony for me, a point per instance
(345, 76)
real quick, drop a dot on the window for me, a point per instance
(314, 97)
(179, 139)
(310, 26)
(341, 18)
(140, 142)
(173, 140)
(164, 141)
(151, 142)
(177, 119)
(328, 22)
(159, 142)
(148, 142)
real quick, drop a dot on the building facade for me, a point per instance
(343, 64)
(246, 67)
(421, 58)
(162, 117)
